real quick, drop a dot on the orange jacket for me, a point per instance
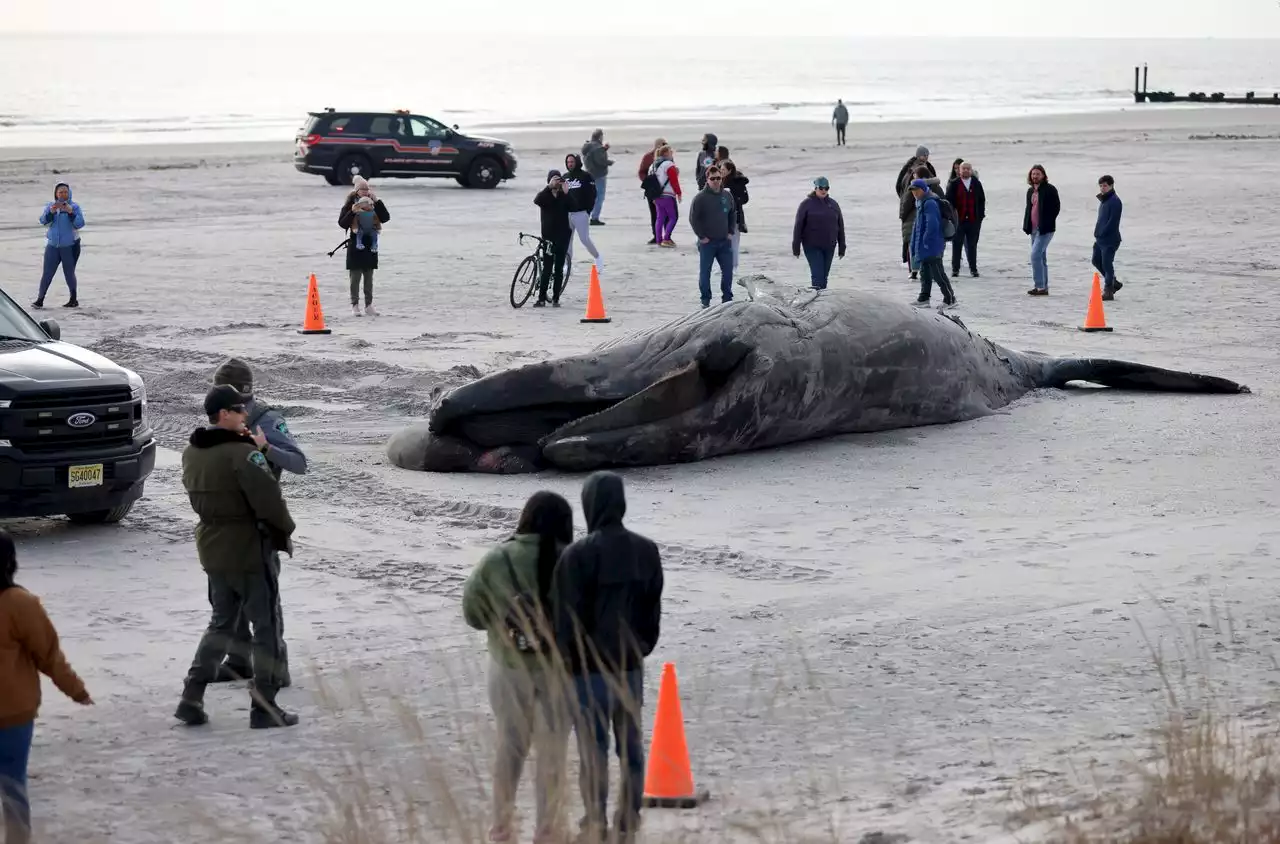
(28, 647)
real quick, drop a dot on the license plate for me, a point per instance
(82, 476)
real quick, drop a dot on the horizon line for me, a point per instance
(64, 32)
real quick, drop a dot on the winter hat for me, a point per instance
(359, 183)
(821, 182)
(220, 398)
(922, 151)
(236, 373)
(363, 202)
(920, 184)
(551, 174)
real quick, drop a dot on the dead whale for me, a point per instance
(748, 375)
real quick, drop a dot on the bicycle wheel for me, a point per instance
(525, 281)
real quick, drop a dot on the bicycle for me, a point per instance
(529, 272)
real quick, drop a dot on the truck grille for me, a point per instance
(41, 422)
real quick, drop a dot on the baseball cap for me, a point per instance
(821, 182)
(222, 397)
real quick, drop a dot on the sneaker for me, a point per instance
(1108, 294)
(921, 303)
(39, 303)
(948, 306)
(555, 303)
(369, 310)
(974, 274)
(915, 276)
(541, 303)
(71, 303)
(652, 241)
(706, 305)
(355, 310)
(597, 222)
(955, 271)
(1038, 291)
(191, 713)
(669, 244)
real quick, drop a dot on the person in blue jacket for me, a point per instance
(928, 246)
(1106, 235)
(64, 219)
(271, 433)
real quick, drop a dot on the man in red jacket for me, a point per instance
(645, 163)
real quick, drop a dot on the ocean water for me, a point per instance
(115, 89)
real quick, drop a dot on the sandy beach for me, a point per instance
(874, 633)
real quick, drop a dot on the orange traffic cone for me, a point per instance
(668, 781)
(313, 320)
(595, 300)
(1095, 319)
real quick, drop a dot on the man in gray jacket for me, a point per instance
(596, 161)
(714, 219)
(283, 454)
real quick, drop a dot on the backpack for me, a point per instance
(651, 185)
(948, 214)
(525, 623)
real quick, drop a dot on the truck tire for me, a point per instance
(348, 166)
(462, 180)
(101, 517)
(484, 173)
(333, 178)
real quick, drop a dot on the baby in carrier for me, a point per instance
(365, 224)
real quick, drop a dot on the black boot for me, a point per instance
(229, 673)
(266, 713)
(190, 709)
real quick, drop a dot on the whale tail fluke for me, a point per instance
(1124, 375)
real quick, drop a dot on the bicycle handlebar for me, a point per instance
(534, 236)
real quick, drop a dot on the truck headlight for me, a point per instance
(138, 393)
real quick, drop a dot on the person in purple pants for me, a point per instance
(668, 174)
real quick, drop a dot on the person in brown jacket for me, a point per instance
(28, 648)
(645, 163)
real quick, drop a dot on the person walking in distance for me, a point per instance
(283, 455)
(361, 263)
(244, 521)
(596, 161)
(64, 219)
(646, 162)
(819, 231)
(928, 245)
(735, 182)
(714, 220)
(1106, 236)
(553, 203)
(508, 595)
(28, 648)
(607, 599)
(840, 119)
(967, 197)
(664, 169)
(1040, 221)
(581, 188)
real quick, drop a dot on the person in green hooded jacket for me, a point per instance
(507, 596)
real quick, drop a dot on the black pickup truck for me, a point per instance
(74, 435)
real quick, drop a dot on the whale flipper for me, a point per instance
(1124, 375)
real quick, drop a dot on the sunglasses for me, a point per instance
(819, 188)
(715, 178)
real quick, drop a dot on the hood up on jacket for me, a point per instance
(70, 195)
(603, 501)
(210, 437)
(577, 161)
(711, 144)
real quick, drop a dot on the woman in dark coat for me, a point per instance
(1040, 221)
(735, 181)
(361, 262)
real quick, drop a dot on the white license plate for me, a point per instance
(83, 476)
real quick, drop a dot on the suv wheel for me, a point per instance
(333, 177)
(101, 517)
(350, 166)
(462, 180)
(484, 173)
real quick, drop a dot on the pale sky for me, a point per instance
(377, 22)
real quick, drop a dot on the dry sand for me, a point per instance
(872, 633)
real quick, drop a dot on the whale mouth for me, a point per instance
(509, 435)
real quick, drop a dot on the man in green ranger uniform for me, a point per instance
(244, 522)
(271, 433)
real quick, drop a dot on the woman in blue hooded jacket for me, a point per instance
(64, 219)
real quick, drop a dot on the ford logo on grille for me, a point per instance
(81, 420)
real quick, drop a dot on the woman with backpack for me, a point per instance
(507, 596)
(663, 184)
(735, 181)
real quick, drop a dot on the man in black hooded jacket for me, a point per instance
(607, 596)
(706, 157)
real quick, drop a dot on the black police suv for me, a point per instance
(74, 435)
(341, 145)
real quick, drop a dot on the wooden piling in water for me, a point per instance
(1144, 96)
